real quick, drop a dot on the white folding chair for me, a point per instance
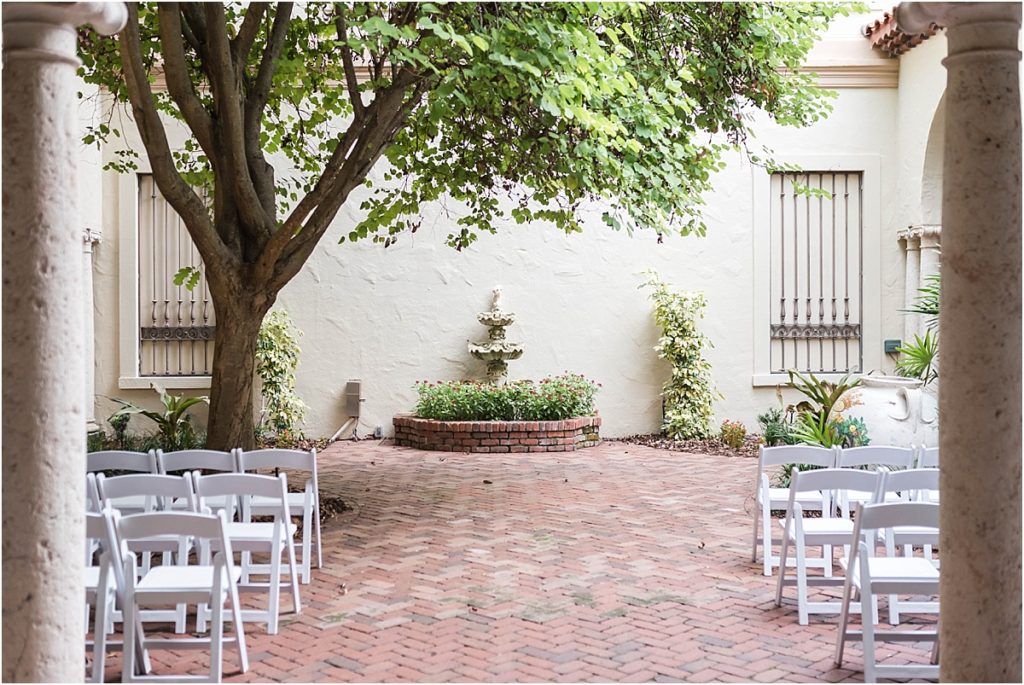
(873, 457)
(305, 504)
(767, 498)
(187, 461)
(910, 485)
(927, 457)
(211, 584)
(801, 533)
(120, 460)
(262, 537)
(104, 589)
(158, 492)
(869, 576)
(100, 592)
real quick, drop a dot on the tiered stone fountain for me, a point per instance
(496, 351)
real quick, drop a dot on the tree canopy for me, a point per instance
(519, 111)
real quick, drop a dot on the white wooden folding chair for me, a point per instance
(261, 537)
(910, 486)
(305, 504)
(767, 498)
(186, 461)
(799, 533)
(158, 491)
(120, 460)
(869, 575)
(872, 457)
(104, 589)
(213, 584)
(927, 457)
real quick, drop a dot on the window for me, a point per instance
(173, 326)
(816, 272)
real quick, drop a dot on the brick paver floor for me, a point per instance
(615, 563)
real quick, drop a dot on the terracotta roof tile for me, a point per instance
(885, 35)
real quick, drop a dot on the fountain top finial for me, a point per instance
(496, 302)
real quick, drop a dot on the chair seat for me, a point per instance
(295, 500)
(91, 575)
(255, 532)
(899, 570)
(180, 580)
(780, 497)
(214, 503)
(868, 497)
(912, 535)
(133, 504)
(817, 527)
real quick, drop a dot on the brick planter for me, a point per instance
(497, 436)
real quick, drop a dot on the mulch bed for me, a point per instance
(703, 446)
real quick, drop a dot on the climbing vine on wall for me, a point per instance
(688, 394)
(277, 357)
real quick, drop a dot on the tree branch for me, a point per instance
(241, 44)
(228, 102)
(179, 82)
(151, 129)
(350, 71)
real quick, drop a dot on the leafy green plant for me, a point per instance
(119, 422)
(928, 300)
(919, 358)
(552, 399)
(775, 429)
(733, 433)
(277, 357)
(688, 394)
(174, 424)
(822, 396)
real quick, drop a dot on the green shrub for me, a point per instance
(174, 423)
(734, 434)
(552, 399)
(775, 429)
(688, 394)
(277, 357)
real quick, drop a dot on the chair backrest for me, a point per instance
(908, 482)
(184, 524)
(876, 455)
(120, 460)
(161, 488)
(834, 479)
(796, 454)
(99, 529)
(241, 485)
(928, 458)
(190, 460)
(276, 458)
(918, 514)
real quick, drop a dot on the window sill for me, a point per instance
(166, 382)
(765, 380)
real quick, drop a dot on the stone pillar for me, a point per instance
(980, 329)
(912, 281)
(931, 250)
(90, 238)
(43, 346)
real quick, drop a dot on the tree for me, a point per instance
(546, 106)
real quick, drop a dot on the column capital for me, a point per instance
(918, 17)
(911, 236)
(46, 31)
(90, 237)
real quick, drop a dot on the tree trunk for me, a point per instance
(231, 393)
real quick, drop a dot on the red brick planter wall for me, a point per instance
(497, 436)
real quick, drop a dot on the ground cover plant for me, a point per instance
(548, 105)
(552, 399)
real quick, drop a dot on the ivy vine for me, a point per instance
(688, 394)
(277, 357)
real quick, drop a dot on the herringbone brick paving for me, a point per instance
(615, 563)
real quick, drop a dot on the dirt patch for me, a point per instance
(704, 446)
(331, 507)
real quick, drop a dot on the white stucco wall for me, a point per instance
(391, 317)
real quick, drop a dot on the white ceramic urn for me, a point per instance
(898, 411)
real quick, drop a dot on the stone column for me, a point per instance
(43, 346)
(912, 281)
(931, 250)
(90, 238)
(980, 343)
